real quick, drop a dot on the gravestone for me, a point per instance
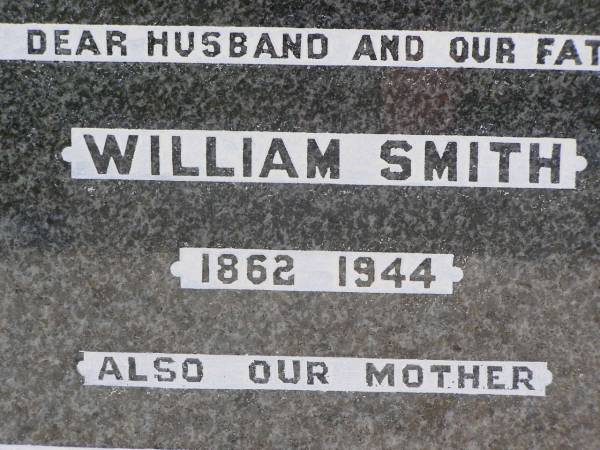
(107, 269)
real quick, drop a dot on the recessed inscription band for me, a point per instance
(295, 373)
(316, 271)
(298, 46)
(323, 158)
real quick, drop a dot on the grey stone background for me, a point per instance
(85, 265)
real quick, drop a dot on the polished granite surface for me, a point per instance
(85, 264)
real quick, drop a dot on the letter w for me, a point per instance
(112, 151)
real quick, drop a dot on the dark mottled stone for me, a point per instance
(85, 265)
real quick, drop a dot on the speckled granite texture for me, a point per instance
(85, 265)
